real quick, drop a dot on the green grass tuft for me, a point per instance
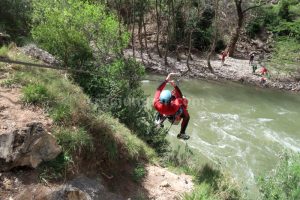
(139, 172)
(36, 93)
(73, 140)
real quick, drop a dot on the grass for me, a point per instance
(36, 93)
(73, 140)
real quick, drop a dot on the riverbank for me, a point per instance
(236, 70)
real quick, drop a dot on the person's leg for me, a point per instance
(159, 119)
(184, 124)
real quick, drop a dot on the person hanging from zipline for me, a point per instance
(171, 105)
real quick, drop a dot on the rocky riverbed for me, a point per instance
(236, 70)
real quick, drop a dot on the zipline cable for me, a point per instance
(7, 60)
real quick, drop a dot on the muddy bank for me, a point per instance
(235, 70)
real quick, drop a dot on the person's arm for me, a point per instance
(178, 93)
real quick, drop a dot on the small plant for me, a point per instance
(54, 169)
(10, 82)
(139, 172)
(36, 94)
(283, 182)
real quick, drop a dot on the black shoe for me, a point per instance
(183, 136)
(159, 120)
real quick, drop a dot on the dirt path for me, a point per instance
(14, 115)
(236, 70)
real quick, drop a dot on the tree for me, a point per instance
(241, 12)
(77, 32)
(215, 34)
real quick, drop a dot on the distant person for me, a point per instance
(263, 71)
(263, 80)
(254, 68)
(251, 59)
(224, 54)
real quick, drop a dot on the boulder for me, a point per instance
(27, 146)
(80, 188)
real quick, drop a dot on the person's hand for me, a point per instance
(169, 76)
(172, 83)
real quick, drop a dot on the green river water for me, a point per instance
(243, 128)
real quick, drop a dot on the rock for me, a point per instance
(38, 192)
(164, 184)
(28, 146)
(68, 192)
(34, 51)
(94, 188)
(81, 188)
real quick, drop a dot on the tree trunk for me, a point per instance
(120, 21)
(168, 36)
(189, 51)
(158, 27)
(140, 25)
(145, 37)
(133, 25)
(215, 35)
(236, 34)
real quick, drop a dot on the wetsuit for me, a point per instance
(176, 105)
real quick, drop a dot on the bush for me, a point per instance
(283, 181)
(284, 10)
(77, 32)
(266, 17)
(291, 29)
(36, 93)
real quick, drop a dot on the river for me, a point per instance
(240, 127)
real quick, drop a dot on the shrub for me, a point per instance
(283, 181)
(284, 10)
(77, 32)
